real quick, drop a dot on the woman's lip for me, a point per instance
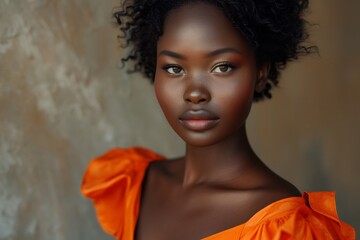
(199, 120)
(199, 124)
(200, 114)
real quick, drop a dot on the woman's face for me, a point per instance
(205, 75)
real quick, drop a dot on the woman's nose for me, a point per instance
(197, 94)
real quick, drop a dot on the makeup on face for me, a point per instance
(199, 120)
(205, 75)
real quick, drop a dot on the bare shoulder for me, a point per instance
(279, 187)
(276, 190)
(269, 188)
(246, 194)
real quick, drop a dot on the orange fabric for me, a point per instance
(113, 181)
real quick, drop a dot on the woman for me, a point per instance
(209, 61)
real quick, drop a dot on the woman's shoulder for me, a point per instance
(292, 215)
(116, 164)
(113, 181)
(312, 216)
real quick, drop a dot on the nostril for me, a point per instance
(201, 100)
(193, 100)
(197, 96)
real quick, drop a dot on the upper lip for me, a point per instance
(200, 114)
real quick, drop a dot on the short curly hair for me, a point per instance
(275, 29)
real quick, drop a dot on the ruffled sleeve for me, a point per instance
(113, 182)
(317, 220)
(311, 217)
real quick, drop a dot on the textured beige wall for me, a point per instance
(63, 100)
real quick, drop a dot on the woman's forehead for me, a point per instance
(197, 24)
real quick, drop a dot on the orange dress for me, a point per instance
(113, 181)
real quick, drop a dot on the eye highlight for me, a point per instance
(223, 68)
(173, 69)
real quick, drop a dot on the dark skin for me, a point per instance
(205, 79)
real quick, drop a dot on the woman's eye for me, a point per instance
(223, 68)
(174, 69)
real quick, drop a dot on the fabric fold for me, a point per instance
(113, 181)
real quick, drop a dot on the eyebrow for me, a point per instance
(212, 54)
(223, 50)
(172, 54)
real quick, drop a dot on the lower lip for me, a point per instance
(199, 124)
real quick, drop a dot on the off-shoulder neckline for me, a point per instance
(106, 171)
(261, 215)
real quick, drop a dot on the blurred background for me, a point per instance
(64, 100)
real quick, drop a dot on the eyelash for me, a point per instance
(169, 66)
(226, 64)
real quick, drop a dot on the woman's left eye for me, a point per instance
(223, 68)
(173, 69)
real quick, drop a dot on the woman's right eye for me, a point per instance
(173, 69)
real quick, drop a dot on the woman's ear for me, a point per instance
(262, 77)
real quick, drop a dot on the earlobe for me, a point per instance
(262, 77)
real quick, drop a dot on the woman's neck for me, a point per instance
(220, 162)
